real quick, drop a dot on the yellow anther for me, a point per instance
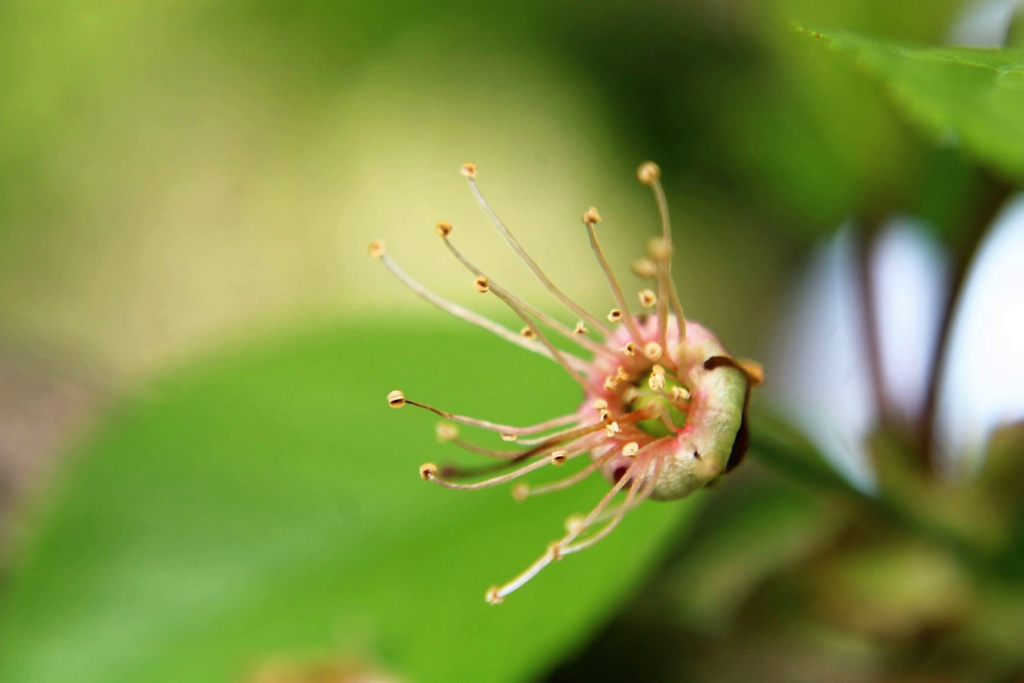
(680, 394)
(629, 349)
(653, 350)
(647, 298)
(443, 228)
(591, 216)
(427, 471)
(614, 315)
(493, 597)
(527, 333)
(645, 268)
(396, 399)
(507, 436)
(558, 458)
(482, 284)
(521, 492)
(648, 173)
(580, 329)
(377, 249)
(446, 431)
(469, 170)
(658, 249)
(631, 449)
(612, 428)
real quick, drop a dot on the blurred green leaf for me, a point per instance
(971, 97)
(266, 505)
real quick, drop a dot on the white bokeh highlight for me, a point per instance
(983, 384)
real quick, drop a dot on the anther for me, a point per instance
(621, 374)
(653, 350)
(508, 436)
(521, 492)
(443, 228)
(469, 170)
(657, 379)
(428, 471)
(591, 217)
(630, 394)
(446, 431)
(659, 249)
(396, 399)
(599, 404)
(527, 333)
(580, 329)
(482, 284)
(648, 173)
(645, 268)
(612, 428)
(574, 524)
(629, 349)
(614, 315)
(630, 449)
(558, 458)
(493, 597)
(604, 414)
(680, 394)
(610, 383)
(647, 298)
(377, 249)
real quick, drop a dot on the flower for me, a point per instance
(664, 403)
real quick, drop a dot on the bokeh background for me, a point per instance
(200, 479)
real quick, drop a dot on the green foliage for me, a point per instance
(267, 506)
(968, 97)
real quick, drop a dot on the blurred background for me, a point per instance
(199, 477)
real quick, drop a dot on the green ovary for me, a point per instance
(656, 427)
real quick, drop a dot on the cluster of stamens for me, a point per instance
(634, 383)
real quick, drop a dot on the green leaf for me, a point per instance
(970, 97)
(266, 506)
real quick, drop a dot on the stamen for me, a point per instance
(590, 218)
(513, 301)
(614, 315)
(580, 329)
(653, 350)
(485, 424)
(630, 449)
(377, 249)
(647, 298)
(482, 284)
(629, 349)
(555, 550)
(650, 174)
(518, 249)
(458, 311)
(396, 399)
(431, 475)
(527, 333)
(428, 470)
(443, 228)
